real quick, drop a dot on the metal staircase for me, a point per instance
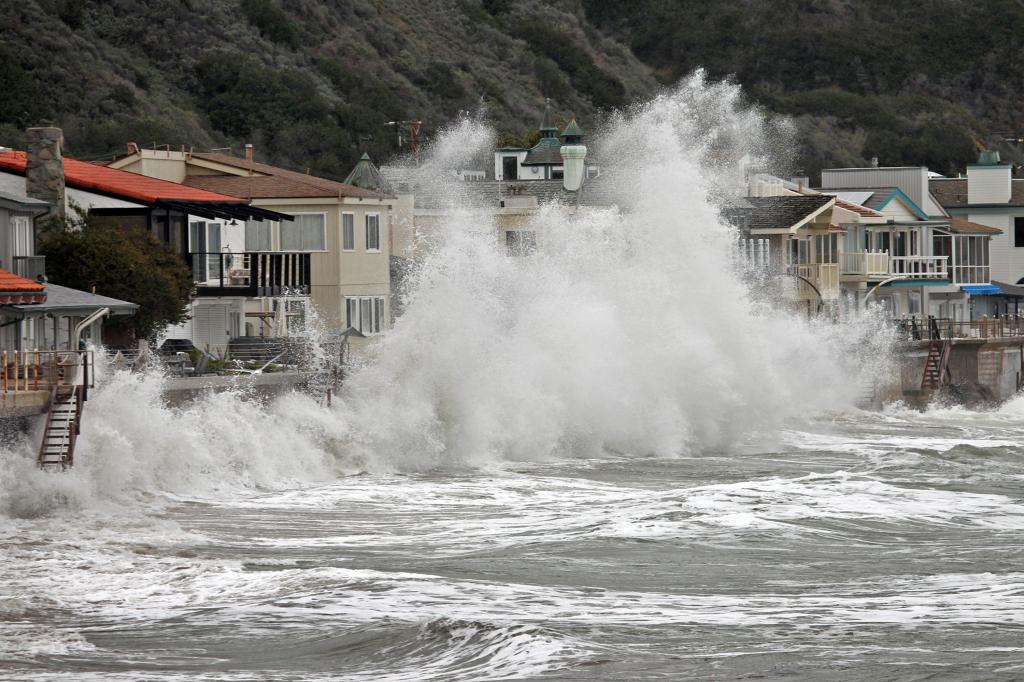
(936, 366)
(63, 424)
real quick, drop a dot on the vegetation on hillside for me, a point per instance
(907, 82)
(312, 83)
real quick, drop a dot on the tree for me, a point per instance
(125, 263)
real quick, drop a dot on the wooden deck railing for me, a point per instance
(41, 370)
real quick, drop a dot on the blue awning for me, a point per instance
(980, 289)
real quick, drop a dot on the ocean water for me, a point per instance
(617, 459)
(858, 545)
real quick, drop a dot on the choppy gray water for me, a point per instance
(864, 546)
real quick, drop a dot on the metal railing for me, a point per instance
(919, 328)
(42, 370)
(30, 267)
(250, 273)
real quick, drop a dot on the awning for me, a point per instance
(980, 289)
(223, 210)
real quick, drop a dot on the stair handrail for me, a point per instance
(46, 426)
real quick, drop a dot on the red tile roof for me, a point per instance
(18, 290)
(105, 180)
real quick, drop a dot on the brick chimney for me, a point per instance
(44, 170)
(248, 151)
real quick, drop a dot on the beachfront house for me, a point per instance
(544, 160)
(34, 313)
(916, 260)
(424, 200)
(337, 233)
(989, 195)
(235, 292)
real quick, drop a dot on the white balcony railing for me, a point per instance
(919, 267)
(864, 263)
(821, 276)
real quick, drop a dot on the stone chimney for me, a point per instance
(44, 169)
(874, 162)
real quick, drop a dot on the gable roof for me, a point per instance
(787, 212)
(881, 197)
(263, 181)
(106, 180)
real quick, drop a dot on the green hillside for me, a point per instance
(314, 85)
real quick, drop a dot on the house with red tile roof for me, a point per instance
(345, 230)
(237, 292)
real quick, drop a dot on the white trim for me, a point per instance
(376, 306)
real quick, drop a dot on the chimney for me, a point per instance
(248, 151)
(989, 181)
(874, 162)
(574, 153)
(44, 169)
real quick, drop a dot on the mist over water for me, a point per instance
(618, 458)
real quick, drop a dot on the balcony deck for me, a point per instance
(251, 274)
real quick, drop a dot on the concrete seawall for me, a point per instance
(181, 390)
(981, 371)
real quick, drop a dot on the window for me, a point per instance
(257, 235)
(827, 248)
(799, 251)
(23, 243)
(1018, 232)
(365, 313)
(204, 238)
(521, 242)
(372, 232)
(306, 233)
(348, 232)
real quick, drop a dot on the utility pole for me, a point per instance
(411, 129)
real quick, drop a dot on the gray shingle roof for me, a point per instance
(778, 213)
(64, 299)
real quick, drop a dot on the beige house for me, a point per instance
(344, 229)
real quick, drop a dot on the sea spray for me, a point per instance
(627, 332)
(132, 443)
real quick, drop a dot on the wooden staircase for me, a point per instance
(936, 366)
(63, 424)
